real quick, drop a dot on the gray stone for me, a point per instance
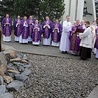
(18, 63)
(21, 77)
(11, 67)
(15, 85)
(1, 80)
(19, 56)
(2, 89)
(21, 68)
(10, 74)
(25, 57)
(6, 95)
(27, 65)
(26, 72)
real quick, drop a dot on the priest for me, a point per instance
(56, 33)
(7, 28)
(17, 28)
(36, 35)
(65, 42)
(74, 38)
(31, 22)
(24, 35)
(47, 30)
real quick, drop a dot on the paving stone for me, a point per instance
(94, 93)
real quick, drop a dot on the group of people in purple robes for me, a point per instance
(70, 40)
(29, 30)
(23, 29)
(80, 39)
(51, 32)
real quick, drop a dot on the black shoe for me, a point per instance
(64, 52)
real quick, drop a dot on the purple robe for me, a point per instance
(56, 33)
(46, 30)
(36, 35)
(74, 38)
(17, 27)
(25, 29)
(30, 26)
(96, 41)
(7, 26)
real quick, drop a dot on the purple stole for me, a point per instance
(36, 33)
(46, 30)
(25, 30)
(55, 33)
(30, 27)
(18, 28)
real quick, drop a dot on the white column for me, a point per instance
(73, 10)
(94, 11)
(67, 8)
(80, 10)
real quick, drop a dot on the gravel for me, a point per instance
(59, 77)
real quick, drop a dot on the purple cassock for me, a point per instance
(36, 35)
(7, 26)
(47, 28)
(74, 38)
(25, 29)
(31, 23)
(96, 41)
(56, 33)
(17, 27)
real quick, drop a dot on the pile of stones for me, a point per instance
(18, 69)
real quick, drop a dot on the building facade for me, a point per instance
(80, 10)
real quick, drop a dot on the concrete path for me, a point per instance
(94, 93)
(43, 50)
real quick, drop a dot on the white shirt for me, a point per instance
(86, 38)
(67, 26)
